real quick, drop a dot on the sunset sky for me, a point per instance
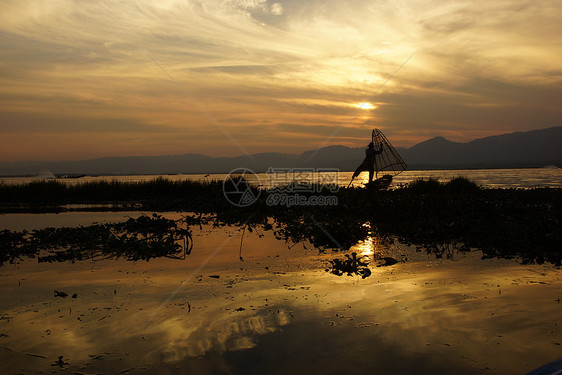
(85, 79)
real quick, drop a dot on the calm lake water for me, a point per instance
(495, 178)
(276, 310)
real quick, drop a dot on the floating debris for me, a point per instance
(35, 355)
(60, 362)
(351, 266)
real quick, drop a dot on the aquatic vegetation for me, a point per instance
(134, 239)
(522, 223)
(461, 184)
(324, 232)
(350, 265)
(433, 185)
(156, 194)
(421, 185)
(13, 245)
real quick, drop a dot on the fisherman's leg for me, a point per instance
(371, 173)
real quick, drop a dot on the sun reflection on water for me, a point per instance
(367, 247)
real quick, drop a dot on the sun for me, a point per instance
(365, 105)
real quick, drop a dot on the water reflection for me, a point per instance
(392, 322)
(376, 247)
(181, 338)
(279, 311)
(365, 247)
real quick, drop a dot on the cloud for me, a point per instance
(276, 9)
(40, 123)
(237, 69)
(477, 70)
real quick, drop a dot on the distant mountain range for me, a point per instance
(537, 148)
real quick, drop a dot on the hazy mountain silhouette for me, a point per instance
(535, 148)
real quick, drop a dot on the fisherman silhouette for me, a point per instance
(369, 162)
(389, 163)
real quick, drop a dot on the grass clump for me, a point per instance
(433, 185)
(420, 185)
(461, 185)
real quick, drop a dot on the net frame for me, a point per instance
(388, 160)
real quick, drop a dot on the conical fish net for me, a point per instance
(388, 161)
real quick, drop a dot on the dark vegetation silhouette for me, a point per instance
(40, 195)
(350, 265)
(142, 238)
(436, 217)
